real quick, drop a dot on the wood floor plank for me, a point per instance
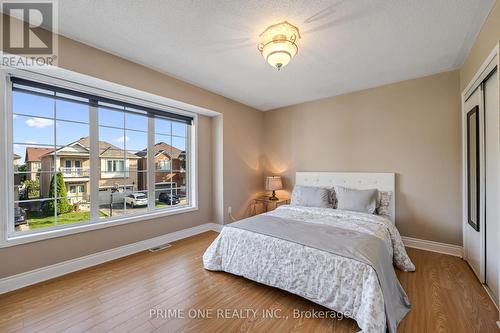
(117, 297)
(73, 313)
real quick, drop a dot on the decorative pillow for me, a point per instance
(333, 197)
(311, 196)
(364, 201)
(383, 202)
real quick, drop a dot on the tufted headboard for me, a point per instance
(382, 181)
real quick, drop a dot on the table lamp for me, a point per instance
(273, 183)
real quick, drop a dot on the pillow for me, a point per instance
(364, 201)
(383, 202)
(333, 197)
(311, 196)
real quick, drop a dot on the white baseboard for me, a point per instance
(217, 227)
(49, 272)
(422, 244)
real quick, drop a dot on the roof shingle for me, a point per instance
(34, 154)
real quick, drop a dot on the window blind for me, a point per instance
(43, 89)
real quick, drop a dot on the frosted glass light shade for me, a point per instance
(278, 44)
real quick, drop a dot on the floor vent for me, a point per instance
(159, 248)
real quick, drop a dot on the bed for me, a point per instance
(340, 259)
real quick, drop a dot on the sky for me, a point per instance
(34, 121)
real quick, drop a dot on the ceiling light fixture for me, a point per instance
(278, 44)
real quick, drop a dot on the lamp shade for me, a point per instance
(278, 44)
(273, 183)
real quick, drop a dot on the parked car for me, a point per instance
(168, 198)
(19, 216)
(136, 200)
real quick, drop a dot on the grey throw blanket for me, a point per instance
(346, 243)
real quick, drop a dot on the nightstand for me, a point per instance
(269, 205)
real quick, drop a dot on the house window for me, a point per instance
(163, 165)
(136, 149)
(115, 165)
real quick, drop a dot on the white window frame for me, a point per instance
(84, 83)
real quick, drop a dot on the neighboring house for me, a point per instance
(33, 161)
(169, 166)
(17, 159)
(117, 169)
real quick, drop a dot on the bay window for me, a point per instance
(97, 150)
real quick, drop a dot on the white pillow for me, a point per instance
(310, 196)
(364, 201)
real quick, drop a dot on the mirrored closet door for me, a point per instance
(481, 136)
(492, 179)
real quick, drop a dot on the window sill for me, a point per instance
(88, 226)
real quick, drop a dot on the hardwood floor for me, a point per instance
(117, 297)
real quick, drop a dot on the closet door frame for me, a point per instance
(481, 75)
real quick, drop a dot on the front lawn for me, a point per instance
(159, 204)
(40, 220)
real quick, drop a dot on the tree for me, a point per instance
(22, 168)
(32, 188)
(63, 205)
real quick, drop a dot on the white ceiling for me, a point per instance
(346, 45)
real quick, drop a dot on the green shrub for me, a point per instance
(63, 205)
(32, 188)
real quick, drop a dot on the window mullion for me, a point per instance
(7, 150)
(151, 164)
(191, 155)
(56, 167)
(188, 162)
(94, 161)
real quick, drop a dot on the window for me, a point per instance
(163, 165)
(170, 155)
(40, 120)
(112, 165)
(115, 165)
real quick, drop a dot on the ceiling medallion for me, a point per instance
(278, 44)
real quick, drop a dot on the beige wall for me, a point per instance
(488, 37)
(242, 132)
(411, 128)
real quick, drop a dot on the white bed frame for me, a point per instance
(382, 181)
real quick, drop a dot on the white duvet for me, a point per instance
(339, 283)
